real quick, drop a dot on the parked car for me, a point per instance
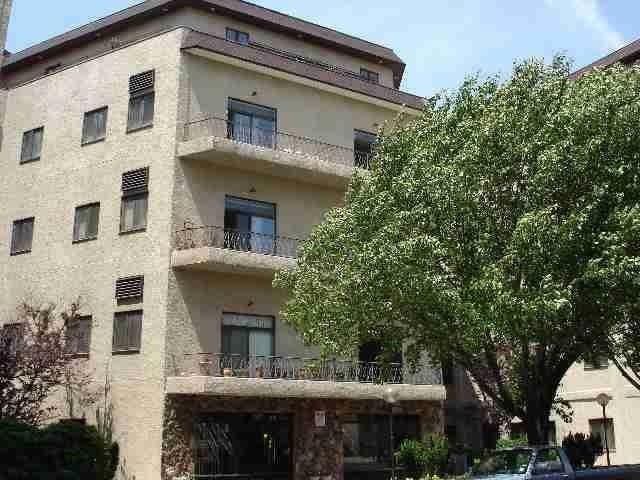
(544, 463)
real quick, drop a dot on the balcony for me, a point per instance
(219, 141)
(232, 251)
(296, 377)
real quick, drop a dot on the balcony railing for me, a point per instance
(298, 368)
(220, 237)
(268, 138)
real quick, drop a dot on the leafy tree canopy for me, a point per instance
(500, 229)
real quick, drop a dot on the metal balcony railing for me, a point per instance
(299, 368)
(220, 237)
(212, 126)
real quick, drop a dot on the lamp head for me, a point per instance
(603, 399)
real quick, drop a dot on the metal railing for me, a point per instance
(220, 237)
(212, 126)
(299, 368)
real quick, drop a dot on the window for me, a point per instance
(135, 195)
(85, 225)
(127, 329)
(366, 438)
(254, 124)
(79, 336)
(94, 127)
(548, 461)
(247, 335)
(237, 36)
(22, 236)
(141, 100)
(369, 76)
(12, 337)
(250, 225)
(597, 428)
(31, 145)
(363, 145)
(599, 362)
(130, 288)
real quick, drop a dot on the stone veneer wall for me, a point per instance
(317, 451)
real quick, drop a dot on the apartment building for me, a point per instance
(161, 164)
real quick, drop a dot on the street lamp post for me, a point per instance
(390, 398)
(603, 400)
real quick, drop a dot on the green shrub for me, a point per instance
(582, 450)
(412, 456)
(508, 442)
(60, 451)
(436, 454)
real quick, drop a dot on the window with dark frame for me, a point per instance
(94, 126)
(22, 236)
(127, 331)
(251, 225)
(251, 123)
(597, 427)
(78, 336)
(599, 362)
(135, 196)
(247, 335)
(86, 221)
(12, 337)
(363, 146)
(31, 145)
(237, 36)
(369, 76)
(141, 100)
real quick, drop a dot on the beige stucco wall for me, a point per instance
(69, 175)
(301, 110)
(581, 387)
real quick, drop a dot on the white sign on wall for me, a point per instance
(320, 418)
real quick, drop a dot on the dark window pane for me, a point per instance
(94, 127)
(22, 235)
(12, 337)
(254, 124)
(369, 76)
(31, 145)
(86, 222)
(133, 215)
(141, 110)
(79, 336)
(363, 144)
(127, 329)
(237, 36)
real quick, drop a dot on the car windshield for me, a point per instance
(504, 462)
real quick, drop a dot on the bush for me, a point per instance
(582, 450)
(69, 451)
(436, 454)
(429, 456)
(517, 441)
(412, 455)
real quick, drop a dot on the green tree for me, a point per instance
(492, 231)
(625, 342)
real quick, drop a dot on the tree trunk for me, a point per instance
(537, 424)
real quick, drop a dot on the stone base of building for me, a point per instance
(315, 448)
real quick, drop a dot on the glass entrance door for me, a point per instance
(243, 446)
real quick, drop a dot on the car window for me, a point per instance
(548, 461)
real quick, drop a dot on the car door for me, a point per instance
(549, 465)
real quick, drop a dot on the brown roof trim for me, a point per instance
(260, 57)
(239, 9)
(627, 54)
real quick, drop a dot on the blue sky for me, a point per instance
(440, 40)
